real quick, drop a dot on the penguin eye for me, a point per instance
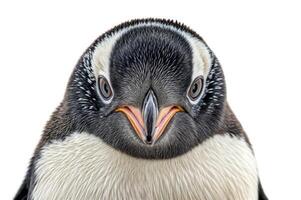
(195, 89)
(104, 88)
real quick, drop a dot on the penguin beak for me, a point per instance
(149, 124)
(135, 118)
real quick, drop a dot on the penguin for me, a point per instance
(144, 116)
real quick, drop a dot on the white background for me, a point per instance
(257, 42)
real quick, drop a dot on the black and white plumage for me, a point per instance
(144, 116)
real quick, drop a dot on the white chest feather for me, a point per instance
(82, 167)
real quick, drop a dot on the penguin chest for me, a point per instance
(84, 167)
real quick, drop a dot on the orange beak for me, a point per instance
(135, 118)
(141, 123)
(165, 115)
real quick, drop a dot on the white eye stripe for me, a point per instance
(201, 57)
(101, 57)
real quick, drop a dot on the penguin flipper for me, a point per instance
(25, 188)
(23, 191)
(261, 194)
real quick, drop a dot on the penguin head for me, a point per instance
(150, 88)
